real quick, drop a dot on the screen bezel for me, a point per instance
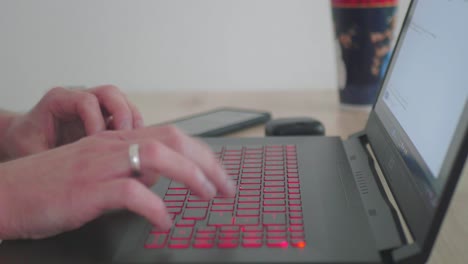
(423, 221)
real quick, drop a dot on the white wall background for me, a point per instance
(147, 45)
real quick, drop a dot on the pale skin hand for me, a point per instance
(63, 116)
(64, 188)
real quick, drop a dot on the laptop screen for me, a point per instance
(425, 91)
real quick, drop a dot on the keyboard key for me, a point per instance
(275, 162)
(251, 181)
(295, 221)
(176, 192)
(249, 161)
(274, 208)
(179, 243)
(203, 243)
(227, 201)
(295, 202)
(295, 215)
(252, 165)
(228, 208)
(251, 175)
(252, 228)
(228, 243)
(254, 147)
(275, 158)
(274, 173)
(232, 172)
(231, 167)
(232, 158)
(182, 233)
(294, 191)
(205, 236)
(274, 184)
(253, 235)
(293, 180)
(174, 210)
(294, 197)
(273, 196)
(249, 199)
(274, 219)
(231, 162)
(176, 198)
(276, 229)
(248, 212)
(185, 222)
(228, 236)
(246, 220)
(253, 155)
(174, 204)
(292, 170)
(296, 228)
(293, 185)
(292, 166)
(295, 209)
(297, 235)
(248, 206)
(194, 198)
(156, 241)
(232, 229)
(273, 190)
(206, 229)
(198, 204)
(249, 193)
(195, 214)
(274, 202)
(274, 154)
(277, 243)
(250, 187)
(269, 168)
(293, 175)
(276, 235)
(274, 178)
(252, 243)
(252, 170)
(220, 218)
(158, 230)
(176, 186)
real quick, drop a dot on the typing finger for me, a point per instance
(68, 104)
(116, 105)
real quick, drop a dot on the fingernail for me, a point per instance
(125, 125)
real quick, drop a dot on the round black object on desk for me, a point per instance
(297, 126)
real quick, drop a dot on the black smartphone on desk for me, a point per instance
(220, 121)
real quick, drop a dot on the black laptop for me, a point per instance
(378, 197)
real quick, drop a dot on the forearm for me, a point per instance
(5, 120)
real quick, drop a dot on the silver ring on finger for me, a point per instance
(134, 156)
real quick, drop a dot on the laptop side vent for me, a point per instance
(362, 182)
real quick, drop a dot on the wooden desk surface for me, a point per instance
(452, 243)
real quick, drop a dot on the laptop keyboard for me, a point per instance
(266, 211)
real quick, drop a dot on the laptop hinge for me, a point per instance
(386, 222)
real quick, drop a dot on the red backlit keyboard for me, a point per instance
(266, 211)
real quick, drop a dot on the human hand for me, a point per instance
(62, 189)
(63, 116)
